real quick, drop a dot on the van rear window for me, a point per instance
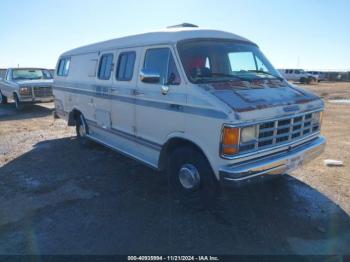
(106, 65)
(125, 68)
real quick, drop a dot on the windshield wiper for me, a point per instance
(267, 73)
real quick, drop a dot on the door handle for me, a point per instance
(113, 89)
(137, 93)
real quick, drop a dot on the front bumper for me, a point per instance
(272, 165)
(36, 99)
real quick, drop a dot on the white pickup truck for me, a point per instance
(298, 75)
(26, 85)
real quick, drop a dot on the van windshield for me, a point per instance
(223, 60)
(30, 74)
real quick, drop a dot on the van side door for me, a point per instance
(159, 106)
(102, 89)
(122, 91)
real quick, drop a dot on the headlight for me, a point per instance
(248, 134)
(25, 91)
(316, 117)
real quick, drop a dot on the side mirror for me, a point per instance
(149, 76)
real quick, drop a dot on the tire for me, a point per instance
(191, 179)
(3, 99)
(302, 80)
(18, 104)
(82, 130)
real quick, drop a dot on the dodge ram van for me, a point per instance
(206, 106)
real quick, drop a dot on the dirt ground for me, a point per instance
(334, 182)
(57, 197)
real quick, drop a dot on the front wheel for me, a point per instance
(191, 178)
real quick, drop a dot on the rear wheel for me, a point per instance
(191, 178)
(82, 130)
(18, 104)
(3, 99)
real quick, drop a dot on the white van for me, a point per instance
(204, 105)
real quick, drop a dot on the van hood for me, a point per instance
(273, 96)
(35, 82)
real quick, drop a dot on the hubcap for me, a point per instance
(189, 176)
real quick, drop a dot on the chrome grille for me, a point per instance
(281, 131)
(42, 91)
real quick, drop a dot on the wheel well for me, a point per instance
(173, 144)
(73, 116)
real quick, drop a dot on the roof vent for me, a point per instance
(182, 25)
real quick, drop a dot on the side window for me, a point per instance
(106, 67)
(63, 67)
(125, 69)
(297, 72)
(161, 60)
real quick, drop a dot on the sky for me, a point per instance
(309, 34)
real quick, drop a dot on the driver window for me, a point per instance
(161, 60)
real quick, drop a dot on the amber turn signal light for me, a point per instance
(230, 141)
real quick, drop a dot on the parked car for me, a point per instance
(320, 76)
(26, 85)
(298, 75)
(206, 106)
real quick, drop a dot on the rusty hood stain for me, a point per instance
(244, 96)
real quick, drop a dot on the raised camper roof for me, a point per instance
(170, 35)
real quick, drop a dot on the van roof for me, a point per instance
(166, 36)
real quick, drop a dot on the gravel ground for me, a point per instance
(57, 197)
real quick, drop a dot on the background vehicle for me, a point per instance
(204, 105)
(26, 85)
(298, 75)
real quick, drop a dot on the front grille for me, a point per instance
(42, 91)
(285, 130)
